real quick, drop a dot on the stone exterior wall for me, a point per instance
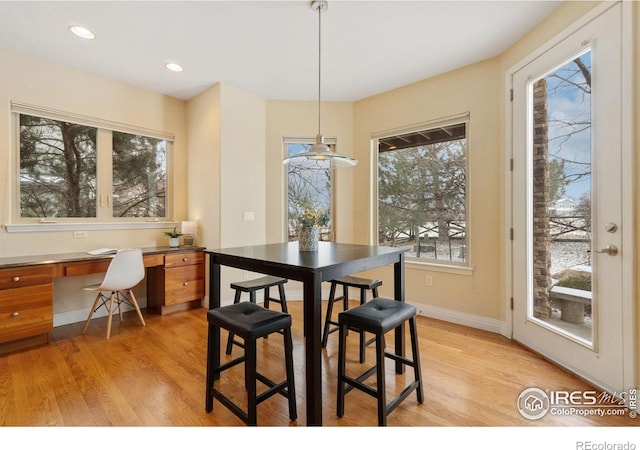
(541, 235)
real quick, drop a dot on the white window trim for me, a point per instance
(23, 225)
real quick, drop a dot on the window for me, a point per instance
(309, 188)
(422, 183)
(81, 168)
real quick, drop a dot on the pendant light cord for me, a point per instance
(320, 7)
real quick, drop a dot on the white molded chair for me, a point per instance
(125, 270)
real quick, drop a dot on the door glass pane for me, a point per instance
(139, 176)
(57, 168)
(309, 189)
(561, 199)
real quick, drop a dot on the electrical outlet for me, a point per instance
(428, 281)
(80, 234)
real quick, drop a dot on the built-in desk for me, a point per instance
(175, 281)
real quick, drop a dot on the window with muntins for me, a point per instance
(309, 190)
(422, 191)
(88, 169)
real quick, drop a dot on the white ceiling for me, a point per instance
(270, 48)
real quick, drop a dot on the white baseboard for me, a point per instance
(80, 315)
(461, 318)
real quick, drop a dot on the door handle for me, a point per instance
(610, 250)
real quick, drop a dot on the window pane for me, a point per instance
(57, 168)
(309, 189)
(139, 176)
(422, 193)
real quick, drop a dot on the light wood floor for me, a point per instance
(155, 376)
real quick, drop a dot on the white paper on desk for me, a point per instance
(103, 251)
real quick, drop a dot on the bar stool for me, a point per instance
(378, 316)
(252, 286)
(364, 284)
(250, 322)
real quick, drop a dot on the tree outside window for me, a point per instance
(309, 189)
(59, 172)
(422, 182)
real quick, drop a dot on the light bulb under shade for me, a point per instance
(322, 152)
(82, 32)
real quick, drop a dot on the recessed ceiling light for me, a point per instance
(174, 67)
(82, 32)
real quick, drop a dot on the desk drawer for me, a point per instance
(183, 259)
(184, 284)
(25, 276)
(86, 268)
(25, 312)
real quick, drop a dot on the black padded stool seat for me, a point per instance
(378, 316)
(364, 284)
(250, 322)
(252, 286)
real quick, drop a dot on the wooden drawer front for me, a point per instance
(183, 259)
(153, 260)
(183, 284)
(25, 276)
(86, 268)
(26, 312)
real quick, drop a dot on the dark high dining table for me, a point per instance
(330, 261)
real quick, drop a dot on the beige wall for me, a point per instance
(41, 83)
(227, 177)
(474, 89)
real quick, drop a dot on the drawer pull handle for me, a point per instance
(185, 259)
(16, 279)
(185, 283)
(15, 314)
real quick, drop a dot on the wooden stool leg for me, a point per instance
(213, 342)
(266, 297)
(291, 385)
(342, 357)
(236, 299)
(250, 381)
(416, 358)
(283, 299)
(363, 334)
(327, 319)
(382, 397)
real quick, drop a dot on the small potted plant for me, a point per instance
(309, 232)
(174, 237)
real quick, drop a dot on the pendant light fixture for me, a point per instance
(320, 150)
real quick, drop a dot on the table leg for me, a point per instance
(398, 290)
(214, 302)
(312, 298)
